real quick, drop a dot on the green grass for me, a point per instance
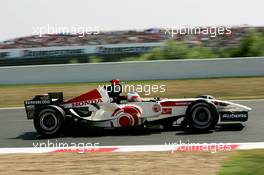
(222, 88)
(250, 162)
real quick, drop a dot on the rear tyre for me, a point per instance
(49, 122)
(202, 116)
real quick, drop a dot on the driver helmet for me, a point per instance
(133, 97)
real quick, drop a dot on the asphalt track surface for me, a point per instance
(17, 131)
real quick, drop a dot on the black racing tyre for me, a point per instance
(50, 121)
(202, 116)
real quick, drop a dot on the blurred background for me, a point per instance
(127, 31)
(131, 45)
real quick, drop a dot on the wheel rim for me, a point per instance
(48, 121)
(201, 117)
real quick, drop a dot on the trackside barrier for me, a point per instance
(145, 70)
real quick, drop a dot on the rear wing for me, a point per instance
(31, 106)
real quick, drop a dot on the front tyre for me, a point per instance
(49, 122)
(202, 116)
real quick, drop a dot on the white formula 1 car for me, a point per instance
(51, 114)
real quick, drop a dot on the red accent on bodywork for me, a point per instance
(116, 110)
(216, 103)
(132, 110)
(124, 121)
(92, 95)
(134, 97)
(166, 111)
(175, 103)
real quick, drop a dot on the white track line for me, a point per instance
(12, 108)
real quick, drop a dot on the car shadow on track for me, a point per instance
(187, 132)
(234, 127)
(223, 128)
(90, 133)
(27, 136)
